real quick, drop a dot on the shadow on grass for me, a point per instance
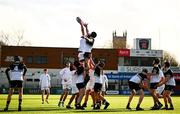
(108, 110)
(64, 110)
(36, 109)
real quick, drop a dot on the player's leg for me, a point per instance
(170, 100)
(165, 100)
(20, 97)
(105, 102)
(11, 90)
(61, 98)
(42, 95)
(98, 100)
(75, 93)
(97, 90)
(133, 92)
(47, 96)
(93, 98)
(103, 93)
(140, 100)
(159, 91)
(87, 93)
(76, 98)
(158, 104)
(86, 66)
(70, 101)
(153, 94)
(132, 86)
(81, 95)
(65, 96)
(159, 95)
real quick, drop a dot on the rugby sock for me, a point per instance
(7, 103)
(104, 101)
(138, 106)
(166, 106)
(20, 101)
(128, 104)
(171, 105)
(159, 103)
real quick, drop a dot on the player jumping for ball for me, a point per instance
(86, 44)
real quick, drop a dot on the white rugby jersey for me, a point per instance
(84, 47)
(136, 79)
(44, 80)
(155, 78)
(17, 70)
(66, 75)
(80, 79)
(82, 44)
(80, 74)
(16, 74)
(171, 80)
(74, 78)
(98, 79)
(104, 80)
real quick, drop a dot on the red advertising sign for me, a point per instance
(124, 52)
(176, 76)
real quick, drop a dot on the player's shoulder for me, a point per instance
(169, 71)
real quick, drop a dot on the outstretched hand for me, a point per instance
(85, 25)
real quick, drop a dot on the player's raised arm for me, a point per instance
(82, 29)
(78, 19)
(87, 30)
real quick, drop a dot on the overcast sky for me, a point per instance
(52, 22)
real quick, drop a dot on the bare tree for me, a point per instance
(17, 38)
(4, 38)
(170, 58)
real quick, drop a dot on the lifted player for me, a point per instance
(86, 44)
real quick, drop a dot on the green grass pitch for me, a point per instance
(32, 105)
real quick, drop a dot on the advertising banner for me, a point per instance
(124, 52)
(146, 53)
